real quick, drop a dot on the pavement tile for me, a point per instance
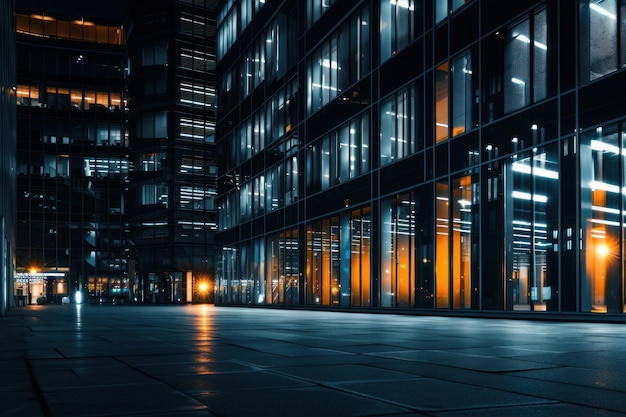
(119, 400)
(428, 394)
(187, 361)
(333, 374)
(301, 402)
(541, 410)
(194, 368)
(611, 380)
(232, 382)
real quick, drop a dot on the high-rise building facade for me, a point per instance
(7, 155)
(173, 181)
(422, 154)
(72, 164)
(116, 162)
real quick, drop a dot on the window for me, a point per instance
(398, 130)
(464, 95)
(398, 19)
(531, 219)
(443, 7)
(28, 95)
(248, 9)
(56, 166)
(602, 31)
(316, 8)
(197, 130)
(282, 269)
(152, 125)
(197, 95)
(227, 30)
(151, 162)
(525, 63)
(196, 198)
(602, 182)
(105, 167)
(154, 54)
(339, 156)
(196, 25)
(154, 194)
(441, 102)
(456, 97)
(343, 59)
(198, 61)
(82, 30)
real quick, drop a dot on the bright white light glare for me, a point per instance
(517, 81)
(327, 63)
(527, 196)
(324, 87)
(402, 3)
(599, 185)
(598, 145)
(605, 209)
(539, 172)
(602, 11)
(605, 222)
(79, 297)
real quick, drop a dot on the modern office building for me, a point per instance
(117, 169)
(423, 154)
(173, 180)
(72, 162)
(7, 155)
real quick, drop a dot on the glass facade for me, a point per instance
(446, 155)
(7, 158)
(72, 168)
(171, 133)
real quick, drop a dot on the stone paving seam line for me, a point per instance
(213, 412)
(347, 391)
(544, 397)
(412, 409)
(41, 399)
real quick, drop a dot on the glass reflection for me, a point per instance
(601, 201)
(532, 219)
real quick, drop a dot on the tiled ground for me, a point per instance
(205, 361)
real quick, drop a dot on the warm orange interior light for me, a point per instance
(203, 286)
(603, 250)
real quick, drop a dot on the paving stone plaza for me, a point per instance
(201, 360)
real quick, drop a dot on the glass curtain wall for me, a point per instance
(341, 60)
(532, 186)
(407, 244)
(282, 283)
(398, 19)
(602, 34)
(336, 275)
(602, 219)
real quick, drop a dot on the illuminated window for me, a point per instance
(341, 60)
(525, 63)
(455, 97)
(316, 8)
(398, 137)
(602, 34)
(398, 19)
(197, 95)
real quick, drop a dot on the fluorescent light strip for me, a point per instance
(602, 11)
(540, 172)
(526, 196)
